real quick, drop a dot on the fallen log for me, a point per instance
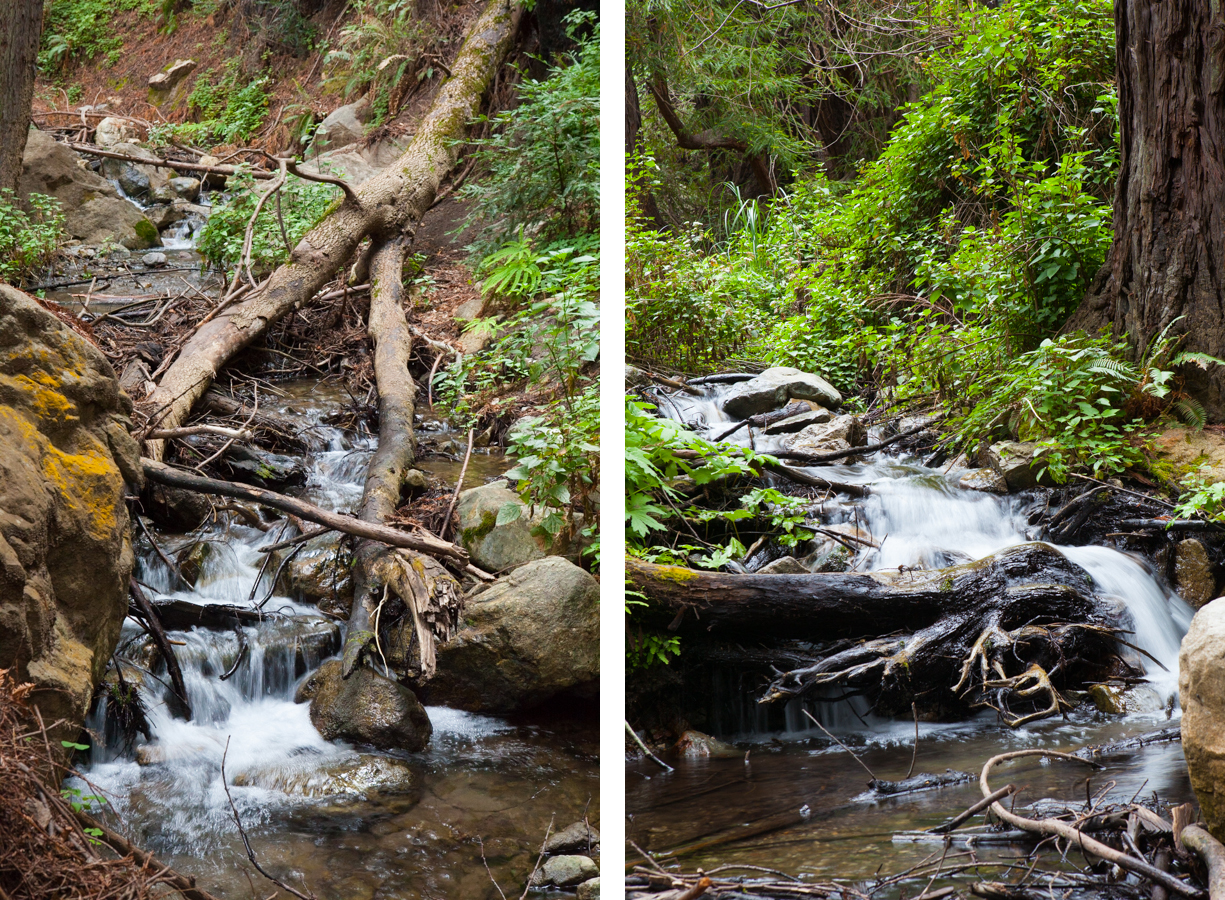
(164, 474)
(430, 595)
(385, 205)
(177, 165)
(151, 616)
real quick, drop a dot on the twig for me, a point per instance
(643, 748)
(166, 559)
(539, 859)
(242, 651)
(973, 810)
(242, 832)
(163, 645)
(459, 486)
(914, 753)
(485, 862)
(842, 745)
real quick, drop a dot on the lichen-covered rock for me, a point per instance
(112, 131)
(1193, 577)
(589, 890)
(529, 637)
(774, 387)
(565, 871)
(50, 168)
(366, 708)
(1201, 692)
(65, 544)
(494, 547)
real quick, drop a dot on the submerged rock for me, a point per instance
(774, 387)
(576, 838)
(697, 745)
(529, 637)
(1193, 577)
(362, 775)
(1201, 692)
(366, 708)
(65, 542)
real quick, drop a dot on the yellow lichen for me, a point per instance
(45, 395)
(88, 485)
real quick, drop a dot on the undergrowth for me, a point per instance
(28, 240)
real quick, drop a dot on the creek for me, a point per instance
(347, 822)
(798, 802)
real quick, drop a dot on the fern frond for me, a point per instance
(1201, 360)
(1191, 412)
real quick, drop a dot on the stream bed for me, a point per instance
(799, 803)
(349, 823)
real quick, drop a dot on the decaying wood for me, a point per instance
(387, 205)
(184, 884)
(426, 543)
(150, 615)
(429, 593)
(1210, 851)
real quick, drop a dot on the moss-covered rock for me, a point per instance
(65, 543)
(366, 708)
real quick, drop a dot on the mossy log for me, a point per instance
(383, 207)
(1011, 631)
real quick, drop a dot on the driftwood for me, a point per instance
(1210, 851)
(919, 783)
(385, 205)
(164, 474)
(430, 595)
(987, 633)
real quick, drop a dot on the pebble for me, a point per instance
(154, 259)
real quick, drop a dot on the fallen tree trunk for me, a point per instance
(385, 206)
(164, 474)
(430, 596)
(1010, 631)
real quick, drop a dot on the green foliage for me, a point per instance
(644, 648)
(1201, 499)
(75, 30)
(28, 240)
(226, 111)
(302, 205)
(542, 159)
(376, 52)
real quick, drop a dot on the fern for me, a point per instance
(1191, 412)
(1201, 360)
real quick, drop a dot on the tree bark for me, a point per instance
(1168, 255)
(386, 206)
(430, 595)
(21, 29)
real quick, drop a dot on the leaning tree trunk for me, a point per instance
(424, 599)
(1168, 256)
(384, 206)
(21, 28)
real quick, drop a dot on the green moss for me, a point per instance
(146, 232)
(489, 521)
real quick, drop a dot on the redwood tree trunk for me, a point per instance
(1168, 257)
(21, 29)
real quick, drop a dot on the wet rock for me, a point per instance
(774, 387)
(1193, 578)
(576, 838)
(1185, 451)
(784, 565)
(589, 890)
(494, 547)
(367, 708)
(192, 559)
(212, 181)
(565, 871)
(65, 541)
(252, 465)
(321, 574)
(145, 183)
(837, 434)
(343, 126)
(696, 745)
(635, 378)
(174, 509)
(531, 636)
(799, 421)
(112, 220)
(153, 260)
(1116, 700)
(983, 480)
(1201, 692)
(185, 188)
(50, 168)
(111, 132)
(362, 775)
(824, 554)
(163, 215)
(1018, 462)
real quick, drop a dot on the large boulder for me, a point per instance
(366, 708)
(65, 542)
(343, 126)
(320, 573)
(494, 547)
(529, 637)
(1019, 463)
(838, 434)
(113, 131)
(112, 220)
(774, 387)
(140, 182)
(1193, 576)
(50, 168)
(1201, 691)
(168, 88)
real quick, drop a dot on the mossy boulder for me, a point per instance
(494, 547)
(65, 541)
(528, 638)
(366, 708)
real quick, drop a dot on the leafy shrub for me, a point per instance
(83, 29)
(543, 157)
(302, 205)
(28, 240)
(375, 53)
(225, 110)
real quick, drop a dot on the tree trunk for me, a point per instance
(387, 205)
(21, 29)
(1168, 255)
(429, 595)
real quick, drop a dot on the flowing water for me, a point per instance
(346, 821)
(799, 803)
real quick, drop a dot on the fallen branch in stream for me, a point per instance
(154, 621)
(164, 474)
(819, 458)
(177, 165)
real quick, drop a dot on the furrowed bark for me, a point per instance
(21, 27)
(387, 206)
(429, 593)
